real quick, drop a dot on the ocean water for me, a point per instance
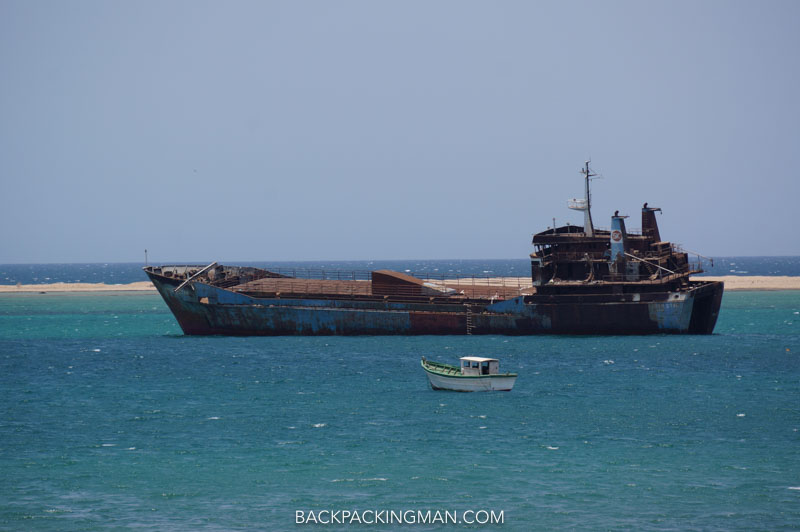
(129, 272)
(110, 418)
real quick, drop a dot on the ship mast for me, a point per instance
(588, 227)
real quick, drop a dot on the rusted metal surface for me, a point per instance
(304, 286)
(386, 283)
(206, 309)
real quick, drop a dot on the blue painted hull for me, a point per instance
(203, 309)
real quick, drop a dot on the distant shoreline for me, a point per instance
(733, 283)
(141, 286)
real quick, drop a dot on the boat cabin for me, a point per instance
(479, 366)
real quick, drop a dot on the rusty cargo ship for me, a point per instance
(583, 281)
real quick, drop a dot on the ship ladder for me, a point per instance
(470, 326)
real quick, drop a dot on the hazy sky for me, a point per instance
(299, 130)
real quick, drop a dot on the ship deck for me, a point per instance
(470, 288)
(495, 288)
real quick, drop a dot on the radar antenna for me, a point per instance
(585, 204)
(587, 222)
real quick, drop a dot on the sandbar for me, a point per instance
(755, 282)
(79, 287)
(732, 283)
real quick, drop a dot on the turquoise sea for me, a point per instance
(110, 418)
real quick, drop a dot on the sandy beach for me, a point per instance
(79, 287)
(732, 283)
(756, 282)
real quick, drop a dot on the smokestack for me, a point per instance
(649, 223)
(618, 236)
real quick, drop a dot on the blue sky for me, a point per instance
(390, 130)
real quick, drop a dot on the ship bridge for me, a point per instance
(588, 254)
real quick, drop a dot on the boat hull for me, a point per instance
(203, 309)
(482, 383)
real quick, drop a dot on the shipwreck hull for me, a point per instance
(203, 309)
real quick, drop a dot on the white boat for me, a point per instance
(476, 374)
